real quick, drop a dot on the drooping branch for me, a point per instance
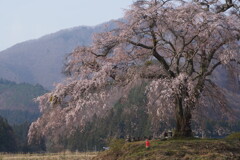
(213, 68)
(140, 44)
(219, 5)
(163, 62)
(224, 7)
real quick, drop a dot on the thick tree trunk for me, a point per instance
(183, 120)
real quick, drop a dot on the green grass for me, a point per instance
(50, 156)
(181, 149)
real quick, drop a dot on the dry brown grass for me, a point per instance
(50, 156)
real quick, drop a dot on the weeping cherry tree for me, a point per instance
(174, 47)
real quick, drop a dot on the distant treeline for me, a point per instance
(14, 138)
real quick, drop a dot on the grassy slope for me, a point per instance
(176, 150)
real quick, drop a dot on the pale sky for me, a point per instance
(22, 20)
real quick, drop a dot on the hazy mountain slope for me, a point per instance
(41, 60)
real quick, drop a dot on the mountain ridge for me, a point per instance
(33, 60)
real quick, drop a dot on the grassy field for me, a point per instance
(50, 156)
(188, 149)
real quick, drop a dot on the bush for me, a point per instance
(116, 146)
(235, 135)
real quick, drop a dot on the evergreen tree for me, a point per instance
(7, 137)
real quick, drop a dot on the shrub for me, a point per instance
(235, 135)
(116, 146)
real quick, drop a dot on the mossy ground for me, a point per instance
(187, 149)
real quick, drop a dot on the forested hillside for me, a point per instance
(16, 101)
(18, 109)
